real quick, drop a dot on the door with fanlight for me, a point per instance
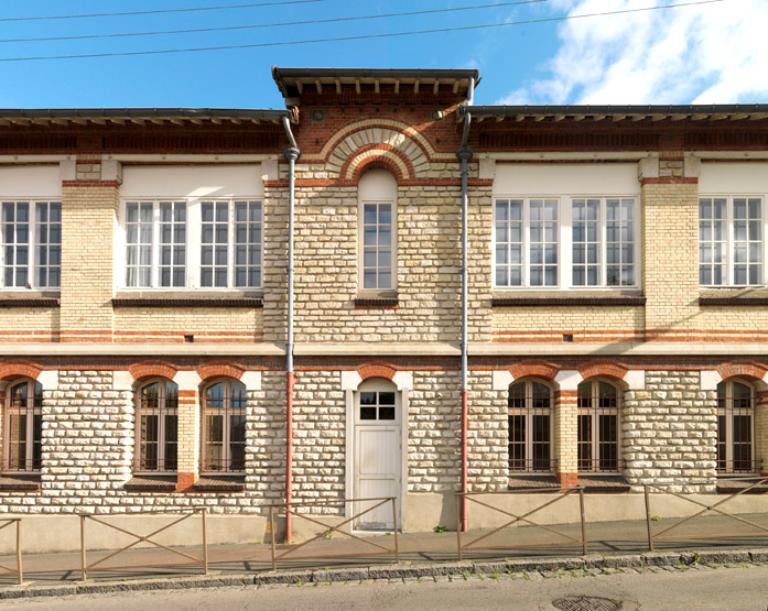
(377, 453)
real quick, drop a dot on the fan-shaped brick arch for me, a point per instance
(398, 147)
(604, 369)
(152, 369)
(538, 369)
(753, 371)
(220, 370)
(19, 369)
(376, 370)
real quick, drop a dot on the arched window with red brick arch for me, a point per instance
(377, 193)
(23, 426)
(735, 426)
(530, 404)
(157, 404)
(223, 431)
(598, 427)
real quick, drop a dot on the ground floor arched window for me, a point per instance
(735, 427)
(598, 427)
(530, 427)
(224, 415)
(23, 426)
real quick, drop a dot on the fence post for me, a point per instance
(458, 526)
(394, 532)
(205, 540)
(19, 565)
(83, 557)
(272, 532)
(583, 522)
(648, 516)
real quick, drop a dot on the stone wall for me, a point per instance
(669, 431)
(434, 432)
(488, 434)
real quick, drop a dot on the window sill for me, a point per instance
(603, 482)
(20, 482)
(567, 298)
(727, 485)
(182, 299)
(151, 483)
(29, 299)
(220, 483)
(532, 482)
(746, 296)
(382, 300)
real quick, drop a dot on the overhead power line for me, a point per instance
(261, 45)
(277, 24)
(159, 11)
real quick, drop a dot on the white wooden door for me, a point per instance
(377, 452)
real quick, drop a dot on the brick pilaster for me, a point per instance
(565, 436)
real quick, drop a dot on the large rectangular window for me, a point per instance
(566, 242)
(731, 249)
(30, 234)
(178, 244)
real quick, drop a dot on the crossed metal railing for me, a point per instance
(329, 529)
(149, 538)
(463, 545)
(714, 508)
(19, 570)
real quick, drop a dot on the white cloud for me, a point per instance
(711, 53)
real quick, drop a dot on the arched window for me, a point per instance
(377, 192)
(224, 404)
(23, 425)
(598, 427)
(735, 422)
(157, 419)
(530, 426)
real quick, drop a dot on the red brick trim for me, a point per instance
(670, 180)
(338, 138)
(606, 369)
(539, 369)
(568, 480)
(566, 396)
(377, 161)
(753, 371)
(152, 369)
(376, 371)
(220, 370)
(90, 183)
(184, 481)
(19, 369)
(406, 182)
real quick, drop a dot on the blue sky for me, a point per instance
(664, 56)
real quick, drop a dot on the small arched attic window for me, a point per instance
(377, 196)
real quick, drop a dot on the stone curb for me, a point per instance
(401, 571)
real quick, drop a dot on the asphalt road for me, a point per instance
(698, 589)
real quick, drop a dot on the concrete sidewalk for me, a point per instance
(525, 546)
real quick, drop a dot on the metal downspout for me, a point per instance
(465, 155)
(291, 154)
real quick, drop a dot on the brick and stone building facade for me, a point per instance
(617, 310)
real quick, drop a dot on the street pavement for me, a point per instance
(697, 588)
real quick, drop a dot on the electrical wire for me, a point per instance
(285, 43)
(277, 24)
(161, 11)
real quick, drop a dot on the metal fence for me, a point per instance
(288, 549)
(19, 570)
(85, 568)
(705, 508)
(464, 542)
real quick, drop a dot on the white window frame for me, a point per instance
(32, 244)
(730, 242)
(382, 189)
(565, 243)
(193, 245)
